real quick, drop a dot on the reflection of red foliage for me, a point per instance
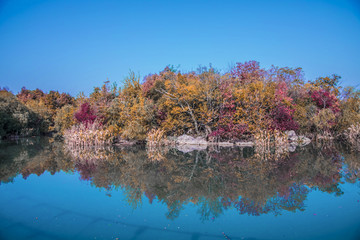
(38, 170)
(331, 180)
(250, 207)
(292, 199)
(150, 196)
(226, 202)
(85, 114)
(28, 171)
(86, 170)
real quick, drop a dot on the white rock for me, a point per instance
(189, 140)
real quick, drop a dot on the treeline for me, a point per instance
(31, 112)
(219, 106)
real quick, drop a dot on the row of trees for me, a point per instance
(30, 112)
(220, 106)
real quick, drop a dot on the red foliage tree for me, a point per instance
(325, 99)
(247, 72)
(282, 118)
(282, 114)
(282, 93)
(85, 114)
(226, 127)
(148, 83)
(25, 95)
(230, 131)
(64, 99)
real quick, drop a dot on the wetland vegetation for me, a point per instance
(239, 105)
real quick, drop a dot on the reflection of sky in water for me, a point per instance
(61, 206)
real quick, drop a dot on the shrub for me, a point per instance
(88, 134)
(282, 117)
(325, 99)
(64, 118)
(155, 137)
(352, 135)
(324, 120)
(85, 114)
(16, 118)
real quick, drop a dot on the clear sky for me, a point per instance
(74, 45)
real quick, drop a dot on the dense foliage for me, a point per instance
(16, 118)
(226, 106)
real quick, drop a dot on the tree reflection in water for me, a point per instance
(214, 179)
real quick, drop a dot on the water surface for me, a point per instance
(48, 191)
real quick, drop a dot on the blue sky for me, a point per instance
(72, 46)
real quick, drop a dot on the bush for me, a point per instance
(352, 135)
(85, 114)
(16, 118)
(88, 134)
(64, 118)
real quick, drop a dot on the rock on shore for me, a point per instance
(296, 140)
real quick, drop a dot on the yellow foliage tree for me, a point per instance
(131, 115)
(64, 118)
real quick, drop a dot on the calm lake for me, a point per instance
(48, 191)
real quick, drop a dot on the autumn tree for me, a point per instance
(329, 84)
(64, 118)
(131, 114)
(16, 118)
(86, 113)
(180, 102)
